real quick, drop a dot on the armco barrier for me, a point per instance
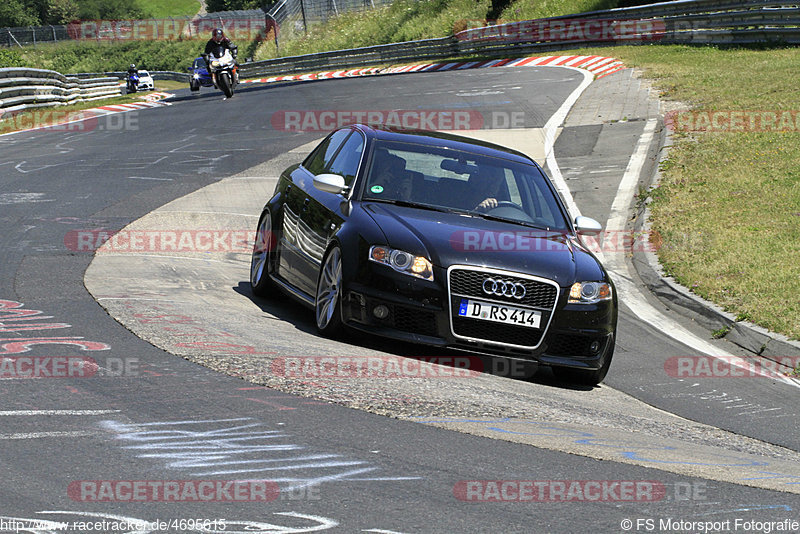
(155, 74)
(719, 22)
(22, 88)
(683, 22)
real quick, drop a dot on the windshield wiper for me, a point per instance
(409, 204)
(507, 220)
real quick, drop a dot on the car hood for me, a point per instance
(451, 238)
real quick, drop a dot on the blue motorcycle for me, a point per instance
(132, 83)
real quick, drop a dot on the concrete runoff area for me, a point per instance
(207, 295)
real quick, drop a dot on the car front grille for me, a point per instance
(468, 283)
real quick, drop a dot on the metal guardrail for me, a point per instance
(28, 88)
(718, 22)
(155, 74)
(721, 22)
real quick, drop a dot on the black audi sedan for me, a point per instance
(441, 240)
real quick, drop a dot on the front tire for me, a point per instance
(328, 302)
(194, 86)
(225, 84)
(260, 281)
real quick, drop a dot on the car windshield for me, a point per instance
(453, 180)
(143, 73)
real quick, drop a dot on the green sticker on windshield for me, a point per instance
(377, 189)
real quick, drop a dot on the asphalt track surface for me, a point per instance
(149, 415)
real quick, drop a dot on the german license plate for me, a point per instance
(499, 313)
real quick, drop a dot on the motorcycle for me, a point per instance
(132, 83)
(223, 69)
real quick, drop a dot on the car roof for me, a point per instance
(441, 139)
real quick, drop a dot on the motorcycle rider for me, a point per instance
(218, 39)
(132, 70)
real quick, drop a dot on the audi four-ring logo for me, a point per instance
(503, 288)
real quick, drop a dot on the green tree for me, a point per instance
(53, 11)
(15, 13)
(61, 11)
(233, 5)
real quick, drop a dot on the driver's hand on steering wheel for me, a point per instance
(487, 204)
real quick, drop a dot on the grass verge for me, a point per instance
(158, 9)
(728, 205)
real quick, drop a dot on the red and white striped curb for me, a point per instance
(318, 76)
(152, 97)
(70, 117)
(598, 65)
(119, 108)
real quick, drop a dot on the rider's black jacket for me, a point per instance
(225, 43)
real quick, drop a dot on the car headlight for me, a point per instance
(589, 292)
(196, 76)
(402, 261)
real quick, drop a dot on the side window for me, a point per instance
(513, 190)
(346, 161)
(321, 157)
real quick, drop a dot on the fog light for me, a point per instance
(380, 311)
(594, 348)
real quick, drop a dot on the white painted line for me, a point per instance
(550, 129)
(57, 412)
(615, 263)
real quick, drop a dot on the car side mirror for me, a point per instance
(587, 226)
(330, 183)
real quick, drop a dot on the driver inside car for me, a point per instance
(390, 175)
(486, 189)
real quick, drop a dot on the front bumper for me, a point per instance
(577, 336)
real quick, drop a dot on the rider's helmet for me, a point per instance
(217, 35)
(133, 66)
